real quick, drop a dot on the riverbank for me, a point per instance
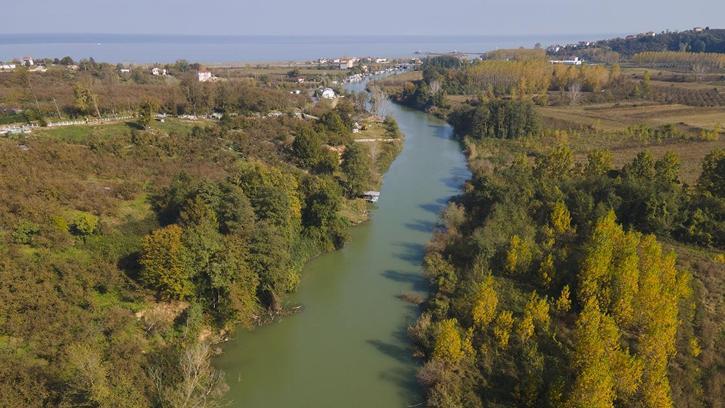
(349, 344)
(513, 267)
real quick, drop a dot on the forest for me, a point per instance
(128, 249)
(709, 40)
(557, 277)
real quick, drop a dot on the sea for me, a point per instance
(211, 49)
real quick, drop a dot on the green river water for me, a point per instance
(349, 348)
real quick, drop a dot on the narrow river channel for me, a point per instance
(349, 348)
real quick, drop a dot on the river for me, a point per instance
(349, 347)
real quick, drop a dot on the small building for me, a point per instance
(7, 67)
(698, 29)
(328, 93)
(125, 70)
(27, 61)
(204, 76)
(381, 60)
(347, 63)
(300, 80)
(156, 71)
(38, 68)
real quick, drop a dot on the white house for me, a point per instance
(125, 70)
(7, 67)
(159, 71)
(347, 63)
(204, 76)
(574, 61)
(328, 93)
(28, 61)
(381, 60)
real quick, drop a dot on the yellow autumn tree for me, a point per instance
(165, 263)
(660, 290)
(538, 308)
(560, 218)
(484, 303)
(536, 314)
(518, 256)
(449, 346)
(625, 278)
(605, 372)
(595, 276)
(563, 303)
(502, 328)
(546, 270)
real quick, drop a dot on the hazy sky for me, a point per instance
(346, 17)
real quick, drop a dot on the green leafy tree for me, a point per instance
(357, 167)
(145, 114)
(307, 148)
(712, 178)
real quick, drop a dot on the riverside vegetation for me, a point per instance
(560, 278)
(126, 248)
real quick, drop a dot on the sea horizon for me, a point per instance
(217, 49)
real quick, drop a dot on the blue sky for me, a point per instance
(345, 17)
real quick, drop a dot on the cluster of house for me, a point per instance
(585, 44)
(201, 76)
(23, 62)
(348, 63)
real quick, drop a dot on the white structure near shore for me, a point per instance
(328, 93)
(372, 196)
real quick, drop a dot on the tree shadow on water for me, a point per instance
(434, 208)
(412, 252)
(395, 351)
(419, 282)
(441, 131)
(456, 178)
(404, 377)
(421, 226)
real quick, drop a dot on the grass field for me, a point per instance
(619, 116)
(80, 133)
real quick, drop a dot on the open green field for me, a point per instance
(80, 133)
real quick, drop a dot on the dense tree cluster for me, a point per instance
(708, 40)
(550, 289)
(524, 78)
(688, 60)
(497, 118)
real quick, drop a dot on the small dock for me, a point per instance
(371, 196)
